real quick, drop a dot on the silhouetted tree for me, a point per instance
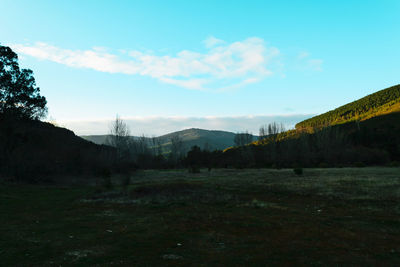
(195, 159)
(19, 95)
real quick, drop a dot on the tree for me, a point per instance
(262, 133)
(19, 95)
(176, 148)
(241, 139)
(194, 159)
(270, 130)
(119, 137)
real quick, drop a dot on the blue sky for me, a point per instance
(227, 65)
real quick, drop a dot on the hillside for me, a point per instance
(362, 133)
(382, 102)
(97, 139)
(31, 149)
(211, 140)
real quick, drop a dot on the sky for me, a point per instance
(164, 66)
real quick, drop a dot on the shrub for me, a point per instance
(298, 171)
(323, 165)
(359, 164)
(194, 169)
(394, 164)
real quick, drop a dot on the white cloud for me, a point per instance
(234, 64)
(145, 125)
(196, 84)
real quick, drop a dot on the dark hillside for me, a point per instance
(30, 149)
(379, 103)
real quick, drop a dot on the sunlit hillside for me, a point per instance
(382, 102)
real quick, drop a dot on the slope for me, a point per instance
(382, 102)
(33, 149)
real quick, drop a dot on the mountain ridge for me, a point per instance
(209, 139)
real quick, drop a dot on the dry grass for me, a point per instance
(223, 217)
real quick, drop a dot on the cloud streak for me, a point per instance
(233, 64)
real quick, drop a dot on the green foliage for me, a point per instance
(379, 103)
(19, 95)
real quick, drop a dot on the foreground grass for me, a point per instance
(226, 217)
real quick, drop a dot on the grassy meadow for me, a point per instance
(345, 216)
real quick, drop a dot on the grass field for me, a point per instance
(226, 217)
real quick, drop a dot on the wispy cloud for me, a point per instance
(212, 41)
(306, 62)
(145, 125)
(315, 64)
(233, 64)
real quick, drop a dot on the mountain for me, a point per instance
(97, 139)
(211, 140)
(385, 101)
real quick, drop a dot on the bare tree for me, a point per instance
(143, 147)
(242, 139)
(119, 136)
(176, 147)
(159, 147)
(153, 144)
(262, 133)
